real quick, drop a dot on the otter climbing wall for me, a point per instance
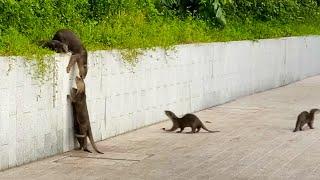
(35, 119)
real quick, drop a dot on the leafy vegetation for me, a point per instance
(131, 24)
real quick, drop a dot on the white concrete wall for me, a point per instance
(35, 119)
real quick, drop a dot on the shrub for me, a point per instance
(208, 10)
(266, 10)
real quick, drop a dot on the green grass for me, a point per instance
(132, 30)
(135, 31)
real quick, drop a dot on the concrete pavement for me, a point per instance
(256, 142)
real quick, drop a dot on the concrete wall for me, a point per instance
(35, 119)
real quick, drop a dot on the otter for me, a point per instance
(79, 53)
(81, 116)
(56, 46)
(76, 123)
(188, 120)
(305, 118)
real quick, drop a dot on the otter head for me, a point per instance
(57, 46)
(170, 114)
(60, 47)
(80, 85)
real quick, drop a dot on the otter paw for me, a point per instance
(87, 150)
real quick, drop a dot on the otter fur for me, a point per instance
(66, 38)
(188, 120)
(56, 46)
(305, 118)
(81, 116)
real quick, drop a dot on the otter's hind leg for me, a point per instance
(298, 124)
(81, 142)
(297, 127)
(310, 124)
(85, 145)
(181, 129)
(193, 129)
(301, 126)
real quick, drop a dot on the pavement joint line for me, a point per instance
(315, 169)
(226, 140)
(63, 157)
(265, 154)
(215, 155)
(248, 155)
(295, 157)
(253, 177)
(242, 108)
(115, 159)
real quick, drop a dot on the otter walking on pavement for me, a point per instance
(188, 120)
(305, 118)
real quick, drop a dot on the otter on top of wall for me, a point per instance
(66, 38)
(56, 46)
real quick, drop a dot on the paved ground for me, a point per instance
(255, 142)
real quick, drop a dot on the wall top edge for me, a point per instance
(116, 51)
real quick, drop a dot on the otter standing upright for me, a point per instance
(81, 116)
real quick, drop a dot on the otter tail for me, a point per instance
(166, 129)
(92, 141)
(203, 127)
(169, 130)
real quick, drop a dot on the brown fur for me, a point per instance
(76, 123)
(81, 117)
(56, 46)
(188, 120)
(305, 118)
(75, 46)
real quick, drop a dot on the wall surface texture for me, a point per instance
(36, 122)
